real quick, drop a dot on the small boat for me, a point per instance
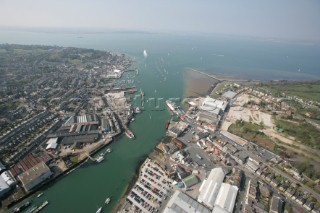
(132, 119)
(99, 210)
(40, 194)
(44, 204)
(109, 150)
(107, 201)
(32, 209)
(99, 158)
(167, 124)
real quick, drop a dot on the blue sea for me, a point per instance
(248, 58)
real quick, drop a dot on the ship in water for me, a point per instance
(129, 134)
(99, 210)
(167, 124)
(107, 201)
(100, 158)
(44, 204)
(172, 106)
(21, 208)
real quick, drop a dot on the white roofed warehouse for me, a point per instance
(226, 199)
(182, 203)
(210, 187)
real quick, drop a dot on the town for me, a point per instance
(229, 152)
(58, 107)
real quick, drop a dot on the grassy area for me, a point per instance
(304, 90)
(74, 61)
(251, 132)
(301, 131)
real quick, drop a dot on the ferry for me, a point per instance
(107, 201)
(99, 210)
(99, 158)
(129, 134)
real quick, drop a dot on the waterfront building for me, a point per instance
(181, 202)
(8, 178)
(209, 189)
(226, 199)
(35, 176)
(4, 187)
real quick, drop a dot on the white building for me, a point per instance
(35, 175)
(52, 143)
(8, 178)
(4, 187)
(211, 105)
(226, 199)
(210, 187)
(181, 202)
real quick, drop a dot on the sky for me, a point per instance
(278, 19)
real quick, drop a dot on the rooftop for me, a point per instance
(226, 197)
(210, 187)
(182, 203)
(33, 173)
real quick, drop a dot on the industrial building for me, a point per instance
(182, 203)
(210, 187)
(4, 187)
(226, 199)
(35, 176)
(210, 104)
(7, 177)
(52, 144)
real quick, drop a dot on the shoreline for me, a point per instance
(129, 186)
(55, 179)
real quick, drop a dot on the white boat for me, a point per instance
(107, 201)
(171, 106)
(109, 150)
(99, 210)
(129, 134)
(40, 194)
(99, 158)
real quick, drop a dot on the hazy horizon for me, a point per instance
(284, 20)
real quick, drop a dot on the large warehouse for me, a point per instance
(226, 199)
(182, 203)
(210, 187)
(35, 176)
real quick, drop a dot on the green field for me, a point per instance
(304, 90)
(251, 132)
